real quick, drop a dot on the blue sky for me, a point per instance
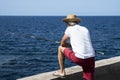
(60, 7)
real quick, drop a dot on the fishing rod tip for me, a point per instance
(57, 42)
(101, 53)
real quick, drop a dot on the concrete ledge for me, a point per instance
(106, 69)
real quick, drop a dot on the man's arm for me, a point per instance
(64, 41)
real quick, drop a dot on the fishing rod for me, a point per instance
(41, 38)
(58, 42)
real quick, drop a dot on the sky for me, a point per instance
(60, 7)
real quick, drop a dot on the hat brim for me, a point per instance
(71, 19)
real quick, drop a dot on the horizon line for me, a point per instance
(58, 15)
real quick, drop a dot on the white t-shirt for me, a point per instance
(80, 41)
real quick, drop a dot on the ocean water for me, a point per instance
(28, 45)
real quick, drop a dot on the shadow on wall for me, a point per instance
(109, 72)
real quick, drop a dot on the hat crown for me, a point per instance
(70, 16)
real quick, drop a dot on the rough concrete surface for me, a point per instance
(106, 73)
(107, 69)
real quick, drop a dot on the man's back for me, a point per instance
(80, 41)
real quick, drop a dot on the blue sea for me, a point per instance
(28, 44)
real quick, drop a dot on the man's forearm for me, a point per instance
(64, 41)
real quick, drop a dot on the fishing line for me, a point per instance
(34, 37)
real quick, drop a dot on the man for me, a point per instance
(82, 52)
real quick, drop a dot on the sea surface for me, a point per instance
(28, 44)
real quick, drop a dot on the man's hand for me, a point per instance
(66, 45)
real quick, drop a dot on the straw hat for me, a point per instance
(71, 17)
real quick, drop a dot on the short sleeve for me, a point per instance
(67, 32)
